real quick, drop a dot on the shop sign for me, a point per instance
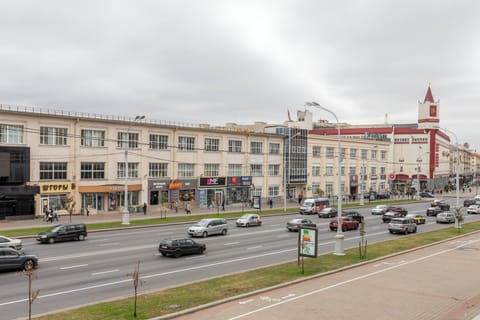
(159, 184)
(212, 181)
(175, 184)
(55, 187)
(239, 180)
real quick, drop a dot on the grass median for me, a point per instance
(171, 300)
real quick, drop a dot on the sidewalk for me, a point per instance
(152, 212)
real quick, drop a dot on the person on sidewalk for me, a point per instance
(187, 208)
(145, 208)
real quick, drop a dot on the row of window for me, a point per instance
(329, 153)
(96, 170)
(13, 134)
(316, 170)
(328, 187)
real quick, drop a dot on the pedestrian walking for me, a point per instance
(270, 203)
(88, 211)
(187, 208)
(145, 208)
(176, 206)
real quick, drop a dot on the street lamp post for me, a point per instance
(362, 200)
(339, 237)
(419, 160)
(457, 178)
(289, 137)
(126, 213)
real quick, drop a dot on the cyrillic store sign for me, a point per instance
(212, 181)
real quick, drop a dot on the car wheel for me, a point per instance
(205, 234)
(415, 230)
(224, 231)
(164, 254)
(177, 254)
(51, 240)
(344, 228)
(247, 225)
(391, 231)
(28, 265)
(81, 237)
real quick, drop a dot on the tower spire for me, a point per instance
(429, 96)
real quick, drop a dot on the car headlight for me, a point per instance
(43, 237)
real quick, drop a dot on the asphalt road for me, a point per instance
(76, 273)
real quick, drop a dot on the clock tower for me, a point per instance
(428, 112)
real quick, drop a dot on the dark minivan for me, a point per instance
(64, 232)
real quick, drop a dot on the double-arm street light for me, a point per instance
(339, 237)
(126, 144)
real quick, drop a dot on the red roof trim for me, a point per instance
(428, 120)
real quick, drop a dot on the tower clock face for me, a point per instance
(433, 111)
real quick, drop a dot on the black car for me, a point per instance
(15, 259)
(426, 195)
(64, 232)
(355, 215)
(180, 246)
(469, 202)
(433, 211)
(442, 204)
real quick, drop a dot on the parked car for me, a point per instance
(64, 232)
(15, 259)
(469, 202)
(355, 215)
(247, 220)
(440, 203)
(328, 213)
(347, 224)
(6, 242)
(400, 210)
(392, 214)
(474, 208)
(208, 227)
(296, 223)
(417, 217)
(402, 225)
(426, 195)
(445, 217)
(433, 211)
(180, 246)
(379, 209)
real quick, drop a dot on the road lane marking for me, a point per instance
(72, 267)
(109, 244)
(231, 243)
(253, 248)
(103, 272)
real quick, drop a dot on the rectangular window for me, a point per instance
(383, 170)
(127, 140)
(329, 152)
(274, 170)
(316, 171)
(273, 191)
(158, 142)
(257, 192)
(383, 155)
(316, 188)
(329, 188)
(92, 170)
(92, 138)
(211, 169)
(186, 143)
(353, 153)
(234, 169)
(256, 147)
(11, 134)
(186, 170)
(256, 170)
(132, 170)
(329, 170)
(343, 152)
(274, 148)
(53, 170)
(364, 154)
(316, 151)
(352, 171)
(157, 169)
(373, 154)
(53, 136)
(234, 146)
(212, 145)
(373, 170)
(342, 170)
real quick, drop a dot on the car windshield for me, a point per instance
(308, 203)
(246, 216)
(55, 229)
(202, 223)
(397, 221)
(168, 242)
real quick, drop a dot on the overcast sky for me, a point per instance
(242, 61)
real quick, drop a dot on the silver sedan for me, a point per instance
(6, 242)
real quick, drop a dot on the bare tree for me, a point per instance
(135, 275)
(32, 296)
(70, 206)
